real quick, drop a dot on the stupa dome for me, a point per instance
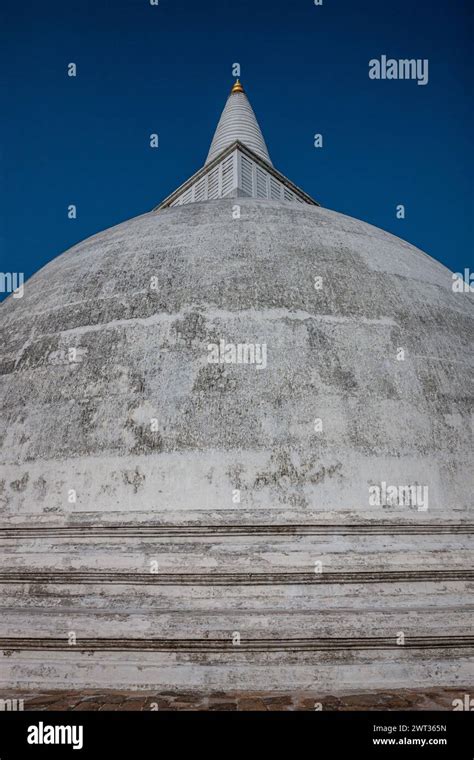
(115, 334)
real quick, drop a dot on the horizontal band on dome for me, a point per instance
(203, 531)
(245, 645)
(72, 577)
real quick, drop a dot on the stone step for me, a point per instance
(237, 669)
(224, 553)
(249, 622)
(317, 598)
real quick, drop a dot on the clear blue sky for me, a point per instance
(167, 69)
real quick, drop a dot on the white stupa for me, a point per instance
(199, 407)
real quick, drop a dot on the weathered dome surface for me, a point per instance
(106, 387)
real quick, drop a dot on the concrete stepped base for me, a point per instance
(316, 607)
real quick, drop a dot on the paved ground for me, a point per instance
(429, 699)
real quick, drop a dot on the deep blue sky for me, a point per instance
(167, 69)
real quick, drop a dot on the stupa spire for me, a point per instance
(238, 164)
(238, 122)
